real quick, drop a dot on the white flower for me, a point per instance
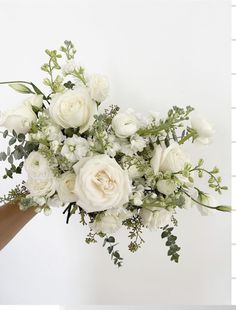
(208, 200)
(99, 87)
(19, 118)
(138, 198)
(110, 222)
(166, 187)
(72, 109)
(204, 129)
(53, 133)
(138, 143)
(69, 67)
(75, 148)
(37, 166)
(173, 158)
(154, 219)
(101, 184)
(34, 101)
(125, 124)
(65, 187)
(156, 158)
(54, 146)
(41, 186)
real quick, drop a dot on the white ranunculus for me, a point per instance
(173, 158)
(125, 124)
(204, 129)
(208, 200)
(65, 187)
(101, 184)
(73, 108)
(110, 222)
(19, 118)
(156, 158)
(34, 101)
(75, 148)
(99, 87)
(41, 186)
(166, 187)
(37, 166)
(154, 219)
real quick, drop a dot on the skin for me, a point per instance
(12, 220)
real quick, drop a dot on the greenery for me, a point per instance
(171, 243)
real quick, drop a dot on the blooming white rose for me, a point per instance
(73, 108)
(110, 222)
(154, 219)
(34, 101)
(18, 118)
(75, 148)
(99, 87)
(37, 166)
(203, 127)
(166, 187)
(125, 124)
(65, 187)
(173, 158)
(41, 186)
(101, 184)
(208, 200)
(156, 158)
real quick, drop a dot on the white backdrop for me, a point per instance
(156, 53)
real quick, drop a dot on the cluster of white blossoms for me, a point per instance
(116, 168)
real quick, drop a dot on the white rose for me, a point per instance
(41, 186)
(156, 158)
(99, 87)
(101, 184)
(154, 219)
(172, 158)
(166, 187)
(18, 118)
(204, 129)
(110, 222)
(37, 166)
(206, 200)
(65, 187)
(72, 109)
(34, 101)
(75, 148)
(125, 124)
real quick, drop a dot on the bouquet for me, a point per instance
(112, 168)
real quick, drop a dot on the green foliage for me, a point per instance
(115, 255)
(18, 149)
(68, 49)
(55, 83)
(134, 226)
(15, 194)
(171, 243)
(21, 88)
(175, 119)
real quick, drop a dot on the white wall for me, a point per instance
(157, 54)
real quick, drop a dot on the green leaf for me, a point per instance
(111, 239)
(3, 156)
(224, 208)
(5, 134)
(21, 137)
(21, 88)
(12, 141)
